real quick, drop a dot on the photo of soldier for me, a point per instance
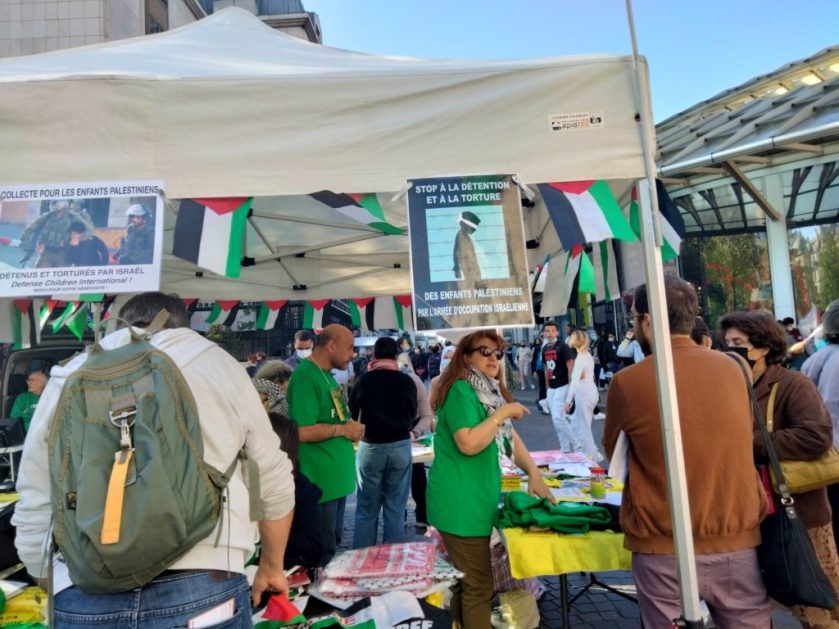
(466, 266)
(85, 249)
(48, 235)
(138, 245)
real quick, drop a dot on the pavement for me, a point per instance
(596, 608)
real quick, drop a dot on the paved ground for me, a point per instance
(597, 608)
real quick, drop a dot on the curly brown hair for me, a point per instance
(761, 328)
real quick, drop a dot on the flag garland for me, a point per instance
(358, 312)
(363, 208)
(269, 314)
(583, 212)
(221, 311)
(313, 313)
(210, 233)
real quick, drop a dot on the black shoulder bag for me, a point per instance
(791, 571)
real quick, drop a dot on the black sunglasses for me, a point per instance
(487, 351)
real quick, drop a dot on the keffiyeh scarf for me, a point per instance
(489, 394)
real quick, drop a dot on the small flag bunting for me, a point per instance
(221, 311)
(358, 312)
(269, 313)
(313, 313)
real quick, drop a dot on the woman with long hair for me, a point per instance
(583, 396)
(802, 431)
(474, 429)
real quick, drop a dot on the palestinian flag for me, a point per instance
(313, 313)
(363, 208)
(559, 282)
(583, 212)
(69, 308)
(269, 314)
(404, 315)
(358, 312)
(77, 321)
(26, 331)
(222, 311)
(45, 312)
(384, 314)
(606, 283)
(670, 219)
(587, 283)
(210, 233)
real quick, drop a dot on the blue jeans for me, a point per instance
(169, 601)
(332, 526)
(383, 474)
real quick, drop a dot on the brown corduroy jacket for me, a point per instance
(802, 431)
(725, 494)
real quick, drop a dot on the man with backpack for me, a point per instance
(148, 500)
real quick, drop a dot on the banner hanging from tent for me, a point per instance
(468, 262)
(100, 237)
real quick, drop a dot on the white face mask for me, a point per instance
(444, 362)
(303, 353)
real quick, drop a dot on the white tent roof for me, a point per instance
(229, 107)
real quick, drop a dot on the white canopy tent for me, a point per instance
(229, 107)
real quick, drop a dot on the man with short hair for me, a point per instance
(25, 403)
(304, 343)
(212, 573)
(327, 432)
(725, 495)
(558, 363)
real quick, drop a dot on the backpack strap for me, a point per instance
(252, 482)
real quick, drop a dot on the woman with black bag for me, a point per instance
(801, 430)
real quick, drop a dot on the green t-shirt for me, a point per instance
(463, 491)
(328, 464)
(24, 406)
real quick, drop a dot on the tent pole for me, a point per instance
(692, 609)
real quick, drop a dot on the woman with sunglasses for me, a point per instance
(474, 428)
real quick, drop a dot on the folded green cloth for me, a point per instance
(523, 510)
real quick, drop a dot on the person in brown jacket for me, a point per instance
(725, 494)
(802, 431)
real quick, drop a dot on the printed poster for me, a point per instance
(77, 238)
(468, 262)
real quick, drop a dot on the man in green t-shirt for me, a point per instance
(26, 402)
(327, 434)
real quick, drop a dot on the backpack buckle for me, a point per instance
(120, 418)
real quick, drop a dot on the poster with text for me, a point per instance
(80, 238)
(468, 262)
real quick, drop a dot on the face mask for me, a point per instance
(611, 339)
(593, 338)
(303, 353)
(743, 352)
(444, 362)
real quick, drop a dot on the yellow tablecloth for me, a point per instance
(534, 554)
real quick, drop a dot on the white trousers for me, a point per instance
(585, 400)
(556, 403)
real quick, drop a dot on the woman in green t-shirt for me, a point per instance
(474, 428)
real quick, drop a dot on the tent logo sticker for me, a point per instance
(579, 121)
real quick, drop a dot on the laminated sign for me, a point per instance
(468, 262)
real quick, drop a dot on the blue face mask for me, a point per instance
(820, 343)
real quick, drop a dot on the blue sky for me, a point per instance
(695, 49)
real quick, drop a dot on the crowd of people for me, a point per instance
(316, 440)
